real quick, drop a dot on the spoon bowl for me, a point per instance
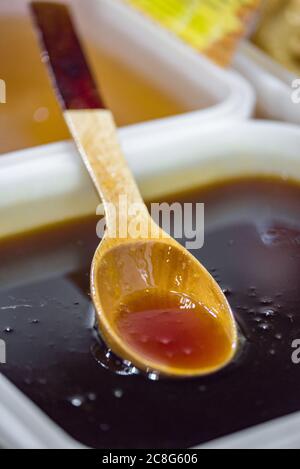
(144, 276)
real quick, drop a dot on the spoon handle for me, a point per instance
(92, 127)
(94, 132)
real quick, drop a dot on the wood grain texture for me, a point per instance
(95, 133)
(127, 264)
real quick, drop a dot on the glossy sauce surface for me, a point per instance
(54, 355)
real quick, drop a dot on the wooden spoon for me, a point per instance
(157, 306)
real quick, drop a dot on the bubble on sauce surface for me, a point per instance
(84, 400)
(153, 375)
(118, 393)
(252, 293)
(264, 326)
(92, 396)
(108, 360)
(291, 317)
(227, 291)
(34, 321)
(276, 236)
(266, 301)
(76, 401)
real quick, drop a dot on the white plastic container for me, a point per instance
(209, 91)
(163, 164)
(129, 35)
(175, 70)
(271, 81)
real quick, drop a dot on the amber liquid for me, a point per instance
(55, 355)
(177, 332)
(31, 115)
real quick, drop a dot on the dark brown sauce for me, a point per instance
(177, 332)
(252, 248)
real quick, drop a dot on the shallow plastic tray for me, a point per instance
(209, 91)
(272, 83)
(49, 183)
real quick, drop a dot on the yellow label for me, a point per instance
(201, 23)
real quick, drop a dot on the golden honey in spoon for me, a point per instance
(160, 309)
(173, 330)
